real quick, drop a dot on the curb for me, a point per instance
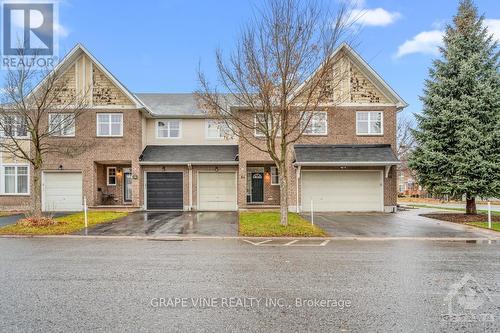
(190, 238)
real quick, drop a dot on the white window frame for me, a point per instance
(369, 122)
(109, 115)
(115, 175)
(312, 119)
(64, 114)
(16, 121)
(256, 130)
(167, 123)
(16, 175)
(220, 132)
(275, 173)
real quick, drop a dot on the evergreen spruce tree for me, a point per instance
(458, 133)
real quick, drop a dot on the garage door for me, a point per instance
(217, 191)
(346, 191)
(62, 191)
(164, 190)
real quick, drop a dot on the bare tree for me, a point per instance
(404, 137)
(39, 105)
(281, 70)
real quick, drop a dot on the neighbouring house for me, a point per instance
(160, 151)
(407, 183)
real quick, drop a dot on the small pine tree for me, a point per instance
(458, 133)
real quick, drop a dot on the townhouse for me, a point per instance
(158, 151)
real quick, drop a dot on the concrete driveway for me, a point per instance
(402, 224)
(170, 223)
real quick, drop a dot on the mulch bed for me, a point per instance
(462, 218)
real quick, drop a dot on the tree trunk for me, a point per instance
(283, 196)
(470, 207)
(37, 192)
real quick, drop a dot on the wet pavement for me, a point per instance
(115, 285)
(401, 224)
(170, 223)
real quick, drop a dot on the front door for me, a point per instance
(127, 186)
(258, 187)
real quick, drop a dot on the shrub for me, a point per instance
(38, 221)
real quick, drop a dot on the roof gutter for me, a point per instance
(191, 163)
(366, 163)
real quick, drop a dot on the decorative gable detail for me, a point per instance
(67, 92)
(105, 92)
(362, 89)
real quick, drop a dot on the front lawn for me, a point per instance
(267, 224)
(494, 225)
(68, 224)
(479, 211)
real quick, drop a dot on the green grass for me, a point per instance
(494, 225)
(267, 224)
(72, 223)
(479, 211)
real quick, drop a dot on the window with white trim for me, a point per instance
(169, 129)
(259, 121)
(15, 179)
(275, 179)
(369, 123)
(318, 123)
(62, 124)
(217, 129)
(109, 124)
(13, 126)
(111, 176)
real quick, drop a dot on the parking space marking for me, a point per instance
(292, 243)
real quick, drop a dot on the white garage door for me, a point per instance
(216, 191)
(62, 191)
(342, 191)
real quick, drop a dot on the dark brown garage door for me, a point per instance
(164, 190)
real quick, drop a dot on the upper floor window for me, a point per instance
(62, 124)
(275, 179)
(217, 129)
(109, 124)
(13, 126)
(318, 123)
(168, 129)
(15, 179)
(369, 123)
(260, 124)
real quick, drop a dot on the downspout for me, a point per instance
(297, 188)
(190, 168)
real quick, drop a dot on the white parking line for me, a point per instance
(292, 243)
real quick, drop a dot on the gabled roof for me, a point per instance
(372, 75)
(172, 105)
(74, 54)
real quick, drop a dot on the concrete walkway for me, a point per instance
(402, 224)
(169, 223)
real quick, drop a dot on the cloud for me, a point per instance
(426, 42)
(373, 17)
(493, 26)
(61, 30)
